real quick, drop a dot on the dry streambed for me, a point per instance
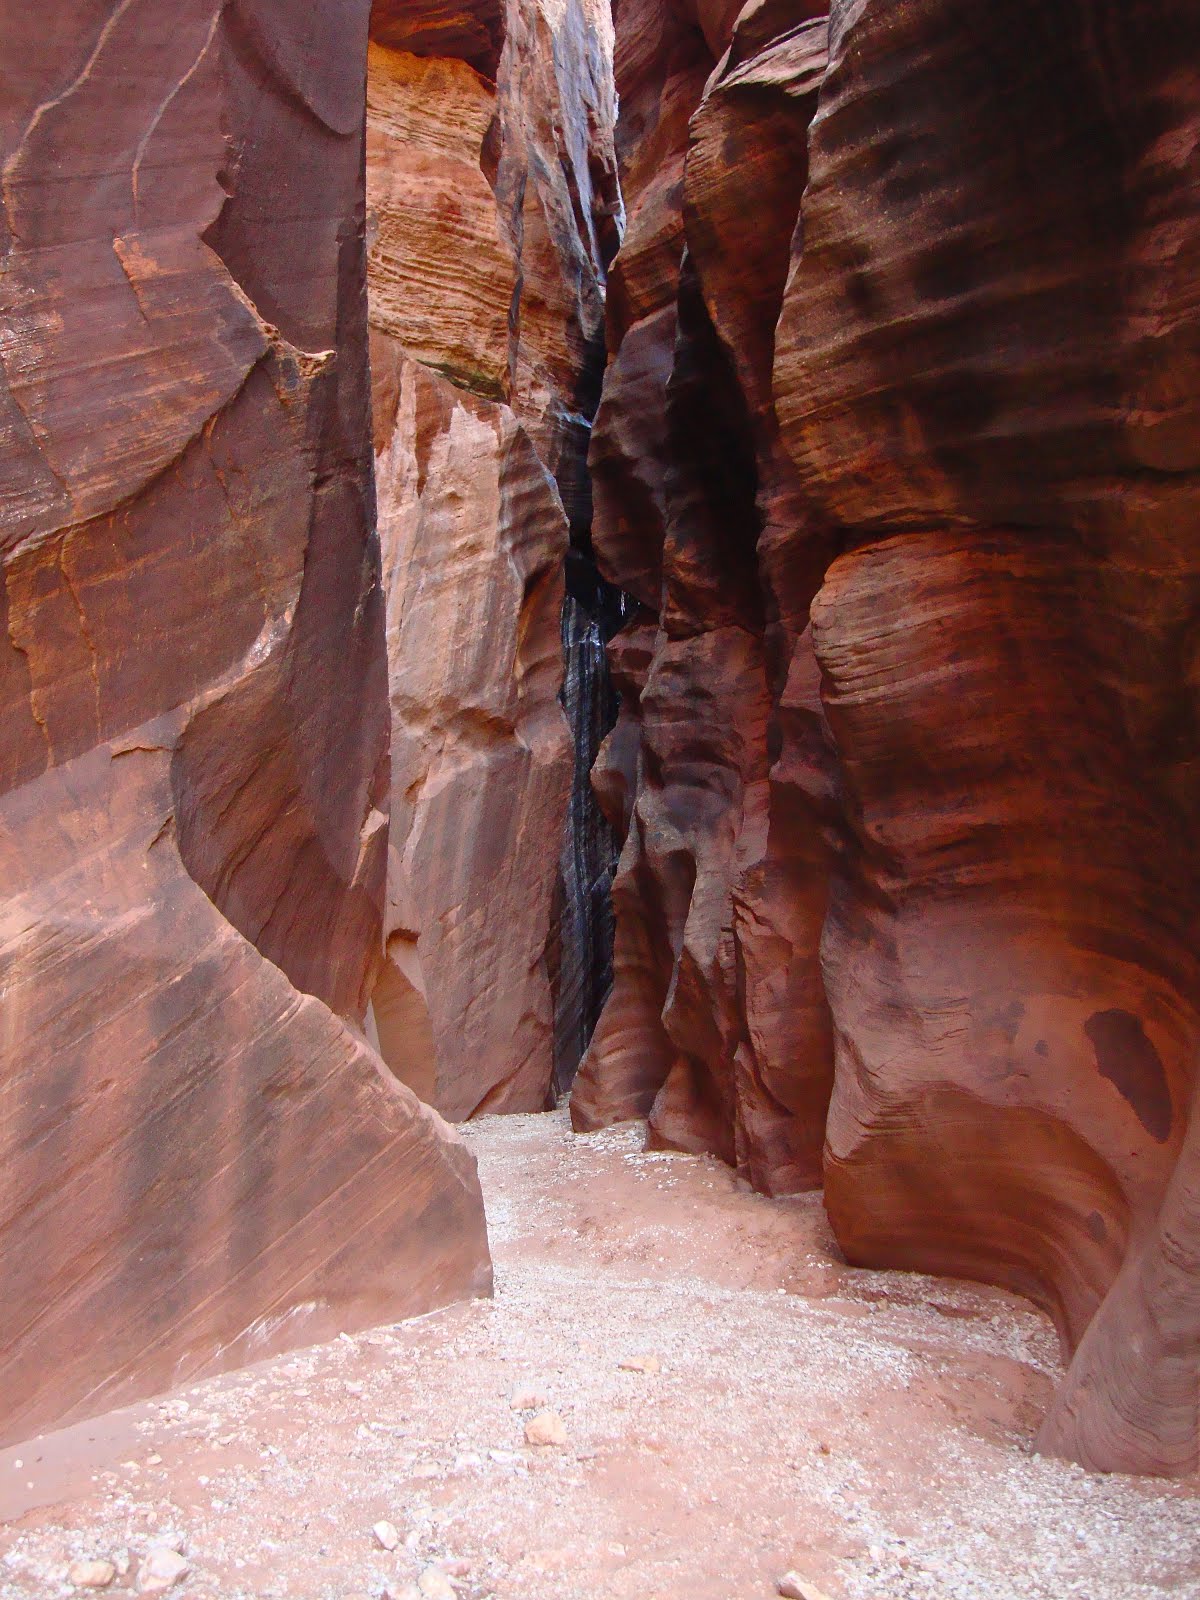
(679, 1391)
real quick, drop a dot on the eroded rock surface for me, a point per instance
(201, 1159)
(718, 1027)
(493, 214)
(898, 451)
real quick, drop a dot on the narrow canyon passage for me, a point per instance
(868, 1430)
(636, 557)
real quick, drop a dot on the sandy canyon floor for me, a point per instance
(868, 1430)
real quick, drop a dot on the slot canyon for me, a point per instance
(599, 781)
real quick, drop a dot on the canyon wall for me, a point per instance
(201, 1160)
(898, 453)
(493, 212)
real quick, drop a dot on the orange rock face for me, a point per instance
(912, 747)
(491, 197)
(718, 1028)
(202, 1160)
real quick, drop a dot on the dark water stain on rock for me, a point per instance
(1128, 1059)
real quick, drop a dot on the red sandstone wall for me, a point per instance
(492, 209)
(201, 1160)
(898, 449)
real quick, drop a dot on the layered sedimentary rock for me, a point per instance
(493, 209)
(718, 1028)
(202, 1160)
(1019, 867)
(912, 740)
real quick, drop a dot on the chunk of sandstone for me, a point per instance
(161, 1568)
(547, 1428)
(793, 1587)
(93, 1574)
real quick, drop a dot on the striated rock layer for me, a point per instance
(201, 1161)
(898, 450)
(718, 1028)
(493, 211)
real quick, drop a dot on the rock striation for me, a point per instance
(898, 453)
(202, 1159)
(718, 1028)
(493, 213)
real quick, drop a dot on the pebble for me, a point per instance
(527, 1397)
(433, 1584)
(547, 1428)
(160, 1569)
(646, 1364)
(387, 1535)
(91, 1574)
(793, 1587)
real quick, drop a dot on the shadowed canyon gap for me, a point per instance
(892, 499)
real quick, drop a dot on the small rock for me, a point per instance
(433, 1584)
(646, 1364)
(793, 1587)
(387, 1535)
(547, 1428)
(154, 1460)
(406, 1591)
(161, 1569)
(122, 1560)
(91, 1574)
(527, 1397)
(459, 1568)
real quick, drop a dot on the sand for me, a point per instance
(871, 1431)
